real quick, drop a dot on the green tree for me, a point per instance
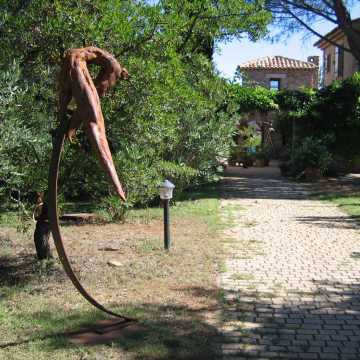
(330, 115)
(173, 118)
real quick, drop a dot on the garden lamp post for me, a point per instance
(166, 193)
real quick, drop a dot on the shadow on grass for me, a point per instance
(166, 332)
(324, 319)
(19, 270)
(351, 204)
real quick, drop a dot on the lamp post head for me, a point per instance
(166, 190)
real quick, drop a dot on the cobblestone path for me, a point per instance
(292, 275)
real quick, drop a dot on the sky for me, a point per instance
(236, 52)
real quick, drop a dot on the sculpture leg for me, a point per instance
(89, 113)
(75, 123)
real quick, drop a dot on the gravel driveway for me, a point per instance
(291, 278)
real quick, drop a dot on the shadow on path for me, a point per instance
(261, 183)
(328, 222)
(321, 324)
(267, 183)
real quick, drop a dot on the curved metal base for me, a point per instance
(58, 143)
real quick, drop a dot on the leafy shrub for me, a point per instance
(294, 101)
(285, 168)
(23, 154)
(113, 209)
(335, 113)
(244, 152)
(249, 99)
(249, 136)
(311, 153)
(181, 175)
(332, 113)
(338, 167)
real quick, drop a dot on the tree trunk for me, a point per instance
(42, 235)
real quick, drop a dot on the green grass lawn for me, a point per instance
(202, 202)
(171, 294)
(349, 203)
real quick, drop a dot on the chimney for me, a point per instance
(313, 59)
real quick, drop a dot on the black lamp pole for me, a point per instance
(167, 239)
(166, 191)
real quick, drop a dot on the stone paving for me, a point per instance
(291, 279)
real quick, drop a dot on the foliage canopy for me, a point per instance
(172, 118)
(330, 115)
(249, 99)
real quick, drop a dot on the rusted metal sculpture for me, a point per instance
(76, 83)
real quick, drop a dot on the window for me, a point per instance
(336, 62)
(328, 63)
(340, 62)
(275, 84)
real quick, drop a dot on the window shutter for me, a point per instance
(328, 63)
(341, 62)
(336, 62)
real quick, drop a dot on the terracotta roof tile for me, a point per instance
(277, 62)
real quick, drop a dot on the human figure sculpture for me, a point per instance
(76, 82)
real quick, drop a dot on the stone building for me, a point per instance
(279, 72)
(274, 72)
(337, 63)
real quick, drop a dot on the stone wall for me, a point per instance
(351, 65)
(289, 79)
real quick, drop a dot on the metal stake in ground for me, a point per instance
(166, 193)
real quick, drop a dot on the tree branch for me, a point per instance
(221, 16)
(307, 7)
(35, 152)
(329, 4)
(315, 32)
(188, 33)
